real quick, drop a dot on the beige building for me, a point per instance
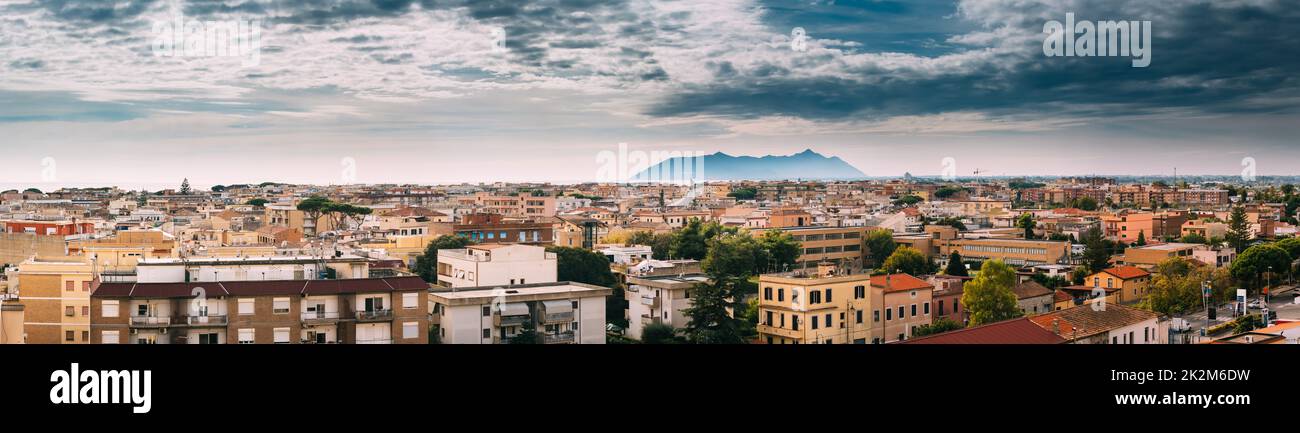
(55, 293)
(522, 205)
(815, 308)
(841, 246)
(561, 313)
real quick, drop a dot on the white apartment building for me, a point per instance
(268, 268)
(627, 255)
(496, 265)
(659, 299)
(561, 313)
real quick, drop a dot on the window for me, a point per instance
(85, 310)
(487, 311)
(889, 314)
(767, 293)
(410, 301)
(281, 335)
(246, 308)
(780, 295)
(794, 322)
(940, 307)
(859, 318)
(209, 338)
(110, 308)
(901, 313)
(411, 330)
(828, 295)
(69, 336)
(768, 322)
(913, 310)
(814, 297)
(85, 286)
(859, 292)
(814, 322)
(829, 323)
(875, 316)
(280, 305)
(487, 333)
(927, 308)
(85, 336)
(246, 336)
(67, 285)
(109, 337)
(69, 311)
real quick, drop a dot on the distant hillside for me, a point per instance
(802, 165)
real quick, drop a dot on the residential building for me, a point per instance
(1033, 298)
(1115, 324)
(522, 205)
(1149, 256)
(824, 307)
(496, 229)
(55, 293)
(660, 299)
(560, 312)
(904, 305)
(496, 265)
(353, 311)
(839, 245)
(1133, 282)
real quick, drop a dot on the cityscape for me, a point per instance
(522, 206)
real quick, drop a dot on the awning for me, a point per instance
(557, 307)
(514, 309)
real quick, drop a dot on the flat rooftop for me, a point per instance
(523, 292)
(242, 260)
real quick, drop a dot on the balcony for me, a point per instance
(563, 317)
(150, 321)
(560, 338)
(376, 341)
(518, 320)
(206, 320)
(319, 317)
(374, 315)
(650, 301)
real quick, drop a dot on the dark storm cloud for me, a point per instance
(1208, 57)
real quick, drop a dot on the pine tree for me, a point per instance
(955, 266)
(1238, 235)
(185, 186)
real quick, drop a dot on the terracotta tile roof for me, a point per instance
(1127, 272)
(899, 283)
(1061, 296)
(1030, 289)
(1014, 331)
(1089, 322)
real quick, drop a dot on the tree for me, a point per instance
(1052, 282)
(1175, 288)
(185, 186)
(659, 333)
(951, 222)
(1238, 229)
(988, 298)
(909, 261)
(1292, 247)
(782, 250)
(948, 191)
(907, 200)
(642, 237)
(731, 260)
(955, 267)
(1085, 203)
(743, 193)
(1250, 268)
(217, 188)
(1026, 222)
(258, 202)
(527, 334)
(938, 326)
(1097, 250)
(689, 242)
(1142, 238)
(426, 265)
(314, 207)
(880, 244)
(142, 198)
(1193, 238)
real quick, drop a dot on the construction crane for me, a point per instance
(978, 172)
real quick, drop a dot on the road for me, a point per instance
(1280, 302)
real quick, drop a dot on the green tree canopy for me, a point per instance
(988, 298)
(909, 261)
(1238, 229)
(880, 244)
(1252, 267)
(1026, 222)
(782, 250)
(659, 333)
(259, 202)
(956, 267)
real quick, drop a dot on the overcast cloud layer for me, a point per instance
(417, 91)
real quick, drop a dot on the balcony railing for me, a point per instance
(650, 301)
(376, 341)
(375, 315)
(311, 317)
(564, 317)
(150, 321)
(560, 338)
(206, 320)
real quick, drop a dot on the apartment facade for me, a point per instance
(1131, 282)
(55, 293)
(496, 265)
(659, 299)
(561, 313)
(495, 229)
(839, 245)
(522, 205)
(1015, 252)
(815, 308)
(356, 311)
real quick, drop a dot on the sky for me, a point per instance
(424, 91)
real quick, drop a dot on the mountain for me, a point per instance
(802, 165)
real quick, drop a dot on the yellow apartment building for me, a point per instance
(814, 308)
(55, 293)
(1132, 282)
